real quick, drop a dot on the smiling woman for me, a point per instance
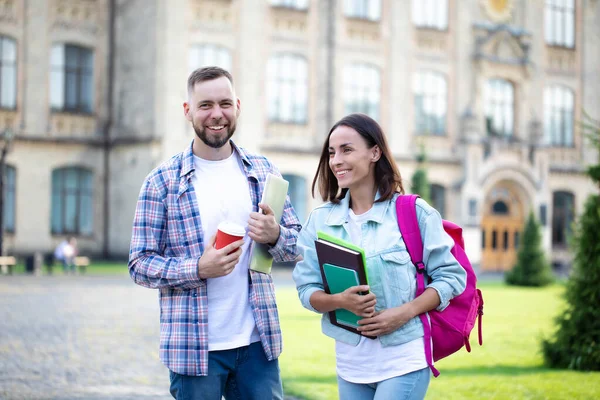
(358, 177)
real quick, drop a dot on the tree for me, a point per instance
(576, 342)
(419, 182)
(532, 268)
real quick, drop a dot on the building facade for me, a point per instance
(493, 90)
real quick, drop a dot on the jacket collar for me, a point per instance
(339, 212)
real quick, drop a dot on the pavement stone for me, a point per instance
(82, 337)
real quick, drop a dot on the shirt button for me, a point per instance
(195, 294)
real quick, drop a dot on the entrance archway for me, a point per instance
(501, 227)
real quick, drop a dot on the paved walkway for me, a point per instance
(82, 337)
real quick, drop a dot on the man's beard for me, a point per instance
(214, 141)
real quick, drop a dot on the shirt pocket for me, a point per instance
(398, 276)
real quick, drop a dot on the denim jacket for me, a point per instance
(392, 275)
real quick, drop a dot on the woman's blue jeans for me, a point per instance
(243, 373)
(412, 386)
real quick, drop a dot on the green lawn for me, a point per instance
(95, 268)
(508, 366)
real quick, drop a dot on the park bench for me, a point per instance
(81, 263)
(7, 263)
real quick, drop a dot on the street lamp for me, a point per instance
(5, 140)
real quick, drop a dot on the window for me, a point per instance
(297, 192)
(430, 14)
(8, 73)
(203, 55)
(559, 23)
(296, 4)
(9, 198)
(430, 93)
(558, 116)
(287, 88)
(362, 90)
(72, 196)
(472, 207)
(500, 208)
(499, 107)
(438, 198)
(563, 206)
(363, 9)
(71, 78)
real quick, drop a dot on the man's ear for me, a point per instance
(375, 153)
(186, 111)
(238, 109)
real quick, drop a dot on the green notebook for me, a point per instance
(340, 279)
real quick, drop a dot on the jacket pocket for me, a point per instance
(398, 277)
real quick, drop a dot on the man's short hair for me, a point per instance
(207, 74)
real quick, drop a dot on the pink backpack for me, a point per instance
(450, 329)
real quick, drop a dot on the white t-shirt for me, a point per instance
(223, 194)
(369, 362)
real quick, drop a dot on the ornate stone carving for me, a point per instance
(363, 30)
(289, 20)
(502, 44)
(80, 15)
(212, 12)
(432, 40)
(9, 119)
(560, 59)
(499, 11)
(8, 11)
(72, 125)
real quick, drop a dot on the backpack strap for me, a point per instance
(406, 212)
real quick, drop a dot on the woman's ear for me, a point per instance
(375, 153)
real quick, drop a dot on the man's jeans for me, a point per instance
(412, 386)
(242, 373)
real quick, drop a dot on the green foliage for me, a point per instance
(420, 184)
(576, 343)
(532, 268)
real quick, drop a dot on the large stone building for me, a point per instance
(492, 89)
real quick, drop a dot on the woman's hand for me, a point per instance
(361, 305)
(386, 321)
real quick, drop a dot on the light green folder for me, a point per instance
(274, 196)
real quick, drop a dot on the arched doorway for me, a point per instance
(501, 228)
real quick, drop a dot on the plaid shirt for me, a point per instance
(166, 244)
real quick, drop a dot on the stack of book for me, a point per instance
(342, 266)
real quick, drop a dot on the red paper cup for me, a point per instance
(228, 232)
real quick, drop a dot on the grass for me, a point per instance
(508, 366)
(95, 268)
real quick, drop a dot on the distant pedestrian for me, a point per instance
(65, 252)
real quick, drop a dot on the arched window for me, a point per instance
(559, 23)
(8, 73)
(563, 213)
(203, 55)
(432, 14)
(71, 78)
(438, 198)
(430, 95)
(499, 107)
(9, 198)
(362, 89)
(558, 115)
(287, 89)
(500, 207)
(72, 199)
(297, 193)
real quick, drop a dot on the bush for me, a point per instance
(420, 184)
(532, 268)
(576, 343)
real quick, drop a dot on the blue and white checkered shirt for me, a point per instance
(166, 244)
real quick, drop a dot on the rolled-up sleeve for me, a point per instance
(447, 276)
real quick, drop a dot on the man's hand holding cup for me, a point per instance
(222, 252)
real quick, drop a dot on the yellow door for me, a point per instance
(501, 227)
